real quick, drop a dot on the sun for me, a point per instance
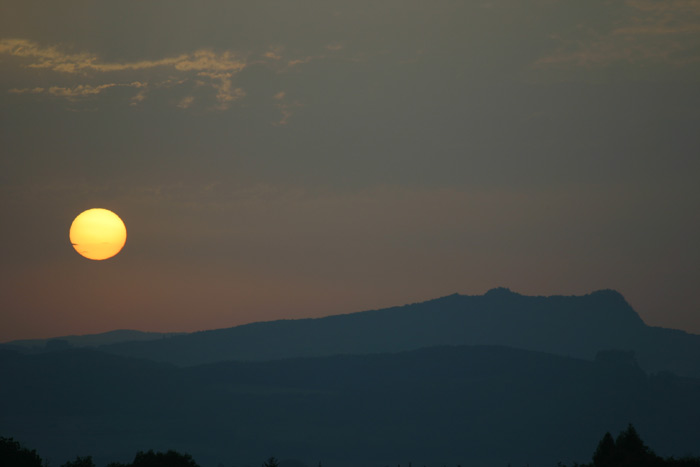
(97, 234)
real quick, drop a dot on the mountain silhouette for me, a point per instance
(448, 405)
(88, 340)
(576, 326)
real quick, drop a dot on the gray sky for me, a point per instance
(293, 159)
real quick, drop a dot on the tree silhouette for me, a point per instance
(627, 450)
(271, 462)
(80, 462)
(160, 459)
(13, 454)
(604, 455)
(630, 450)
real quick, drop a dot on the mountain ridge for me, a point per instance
(90, 340)
(569, 325)
(577, 326)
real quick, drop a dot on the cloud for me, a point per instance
(186, 102)
(226, 93)
(139, 97)
(273, 54)
(218, 67)
(286, 115)
(665, 6)
(285, 107)
(44, 57)
(299, 61)
(206, 60)
(81, 90)
(56, 60)
(640, 33)
(83, 75)
(36, 90)
(670, 17)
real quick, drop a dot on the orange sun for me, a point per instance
(98, 234)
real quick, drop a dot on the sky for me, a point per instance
(281, 160)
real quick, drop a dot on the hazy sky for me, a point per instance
(287, 159)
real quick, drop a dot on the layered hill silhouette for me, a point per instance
(494, 379)
(576, 326)
(88, 340)
(448, 405)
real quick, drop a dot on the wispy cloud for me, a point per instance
(670, 17)
(667, 6)
(37, 90)
(218, 69)
(54, 59)
(139, 97)
(81, 90)
(285, 107)
(186, 102)
(226, 93)
(75, 76)
(274, 54)
(277, 59)
(299, 61)
(646, 32)
(334, 47)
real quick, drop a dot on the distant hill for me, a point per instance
(89, 340)
(483, 405)
(577, 326)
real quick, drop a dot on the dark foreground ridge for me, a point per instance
(577, 326)
(628, 450)
(466, 405)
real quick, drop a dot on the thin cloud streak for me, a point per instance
(56, 60)
(663, 33)
(220, 69)
(81, 90)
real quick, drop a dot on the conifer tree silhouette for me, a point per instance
(604, 455)
(628, 450)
